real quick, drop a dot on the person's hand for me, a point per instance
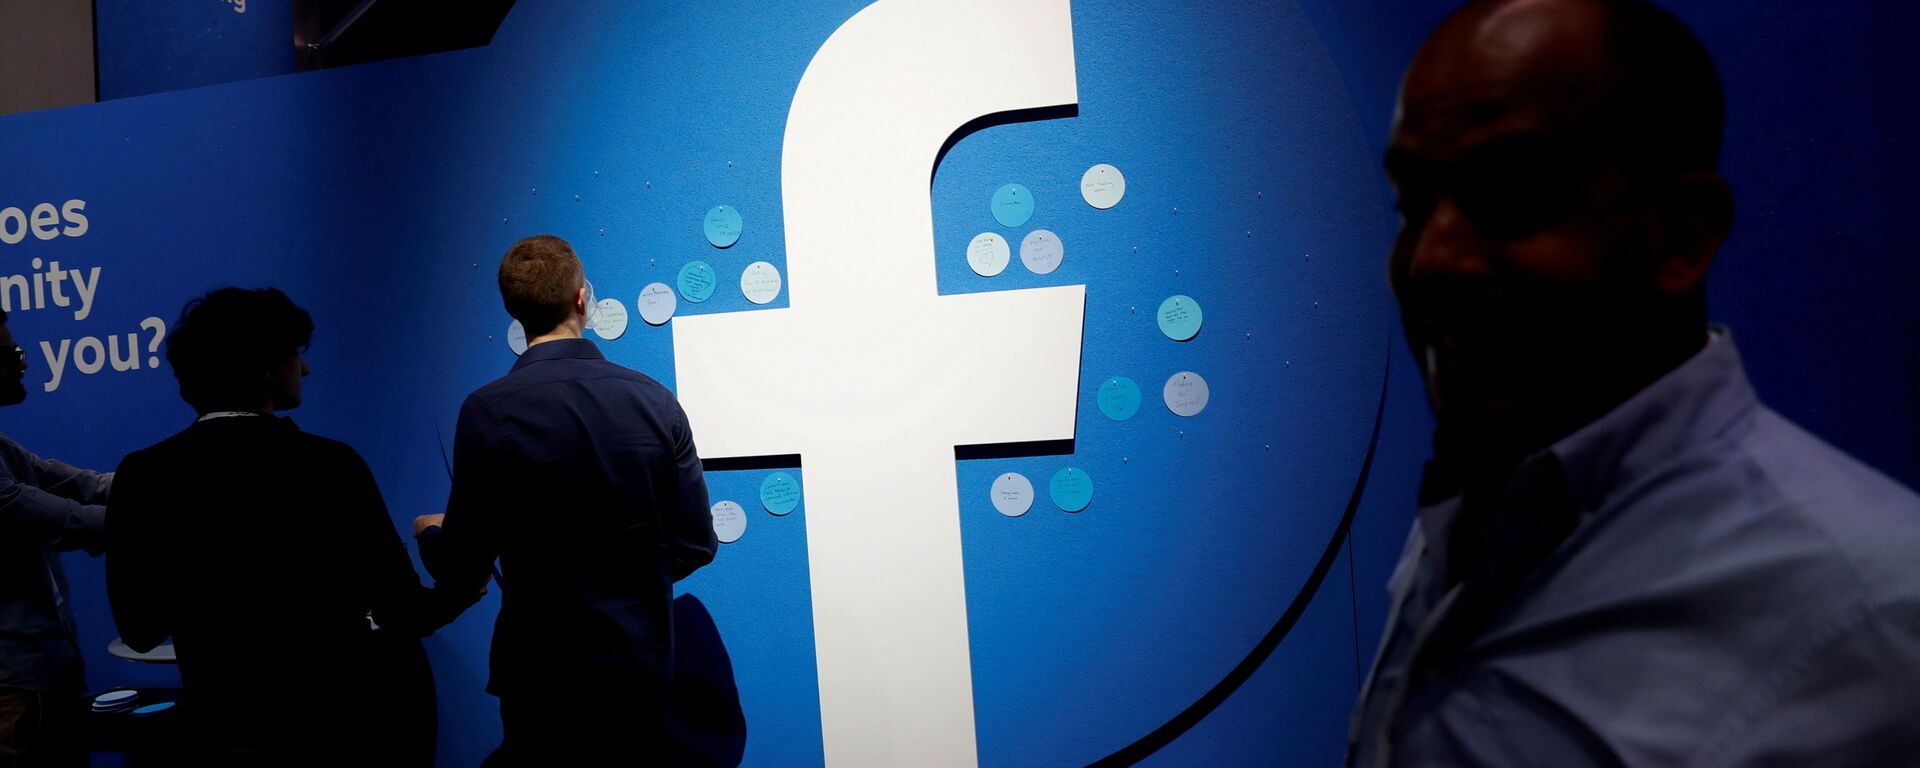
(423, 522)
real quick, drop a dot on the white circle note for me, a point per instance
(760, 282)
(1012, 494)
(611, 320)
(1186, 393)
(988, 254)
(517, 337)
(729, 521)
(657, 303)
(1102, 186)
(1041, 251)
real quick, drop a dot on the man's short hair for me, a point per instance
(539, 279)
(226, 339)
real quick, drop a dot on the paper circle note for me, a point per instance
(1119, 398)
(657, 303)
(760, 282)
(729, 521)
(1102, 186)
(723, 226)
(1186, 393)
(1012, 494)
(1179, 318)
(1012, 205)
(1072, 489)
(517, 337)
(779, 493)
(612, 319)
(1041, 251)
(988, 254)
(696, 281)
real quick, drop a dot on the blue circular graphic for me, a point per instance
(723, 226)
(1119, 398)
(696, 281)
(1072, 489)
(779, 493)
(1179, 317)
(1012, 205)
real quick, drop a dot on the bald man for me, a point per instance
(1622, 557)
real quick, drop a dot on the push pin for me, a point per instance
(1269, 446)
(1183, 433)
(534, 190)
(596, 174)
(603, 233)
(576, 198)
(1289, 363)
(1123, 459)
(1176, 210)
(649, 185)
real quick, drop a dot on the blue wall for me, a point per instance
(382, 195)
(146, 47)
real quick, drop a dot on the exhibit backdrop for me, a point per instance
(1242, 260)
(1201, 606)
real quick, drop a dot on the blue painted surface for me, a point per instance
(381, 197)
(145, 47)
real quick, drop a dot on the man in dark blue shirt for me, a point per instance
(46, 507)
(580, 477)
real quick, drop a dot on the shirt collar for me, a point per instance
(1692, 403)
(559, 349)
(1699, 399)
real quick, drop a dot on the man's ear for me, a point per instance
(1694, 222)
(580, 302)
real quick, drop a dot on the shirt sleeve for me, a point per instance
(51, 505)
(689, 521)
(460, 555)
(398, 600)
(136, 562)
(1849, 701)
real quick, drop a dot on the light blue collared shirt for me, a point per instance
(1734, 592)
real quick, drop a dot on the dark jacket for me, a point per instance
(263, 551)
(580, 476)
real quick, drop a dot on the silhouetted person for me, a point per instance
(1622, 557)
(267, 554)
(46, 507)
(580, 476)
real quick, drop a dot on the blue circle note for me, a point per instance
(1072, 489)
(1179, 317)
(1012, 205)
(696, 281)
(723, 226)
(779, 493)
(1119, 398)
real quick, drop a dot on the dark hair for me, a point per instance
(3, 315)
(539, 278)
(226, 339)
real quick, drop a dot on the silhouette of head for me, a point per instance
(13, 366)
(1556, 164)
(239, 349)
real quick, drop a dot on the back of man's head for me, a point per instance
(540, 279)
(226, 341)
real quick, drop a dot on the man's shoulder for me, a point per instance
(591, 374)
(1862, 514)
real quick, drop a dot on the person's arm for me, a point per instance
(50, 505)
(459, 548)
(690, 539)
(400, 604)
(136, 567)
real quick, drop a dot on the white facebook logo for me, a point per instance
(873, 377)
